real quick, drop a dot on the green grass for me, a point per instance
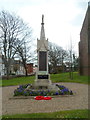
(18, 81)
(60, 114)
(62, 77)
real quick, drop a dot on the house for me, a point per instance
(2, 66)
(17, 68)
(29, 68)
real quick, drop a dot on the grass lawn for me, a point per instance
(62, 77)
(60, 114)
(18, 81)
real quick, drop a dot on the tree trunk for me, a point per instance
(7, 72)
(26, 74)
(71, 73)
(7, 66)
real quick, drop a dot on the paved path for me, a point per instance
(15, 106)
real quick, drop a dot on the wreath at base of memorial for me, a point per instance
(42, 98)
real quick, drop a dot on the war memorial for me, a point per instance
(42, 84)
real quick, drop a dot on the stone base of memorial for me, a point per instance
(43, 82)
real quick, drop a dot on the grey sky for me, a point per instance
(63, 18)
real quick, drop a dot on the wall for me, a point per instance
(84, 46)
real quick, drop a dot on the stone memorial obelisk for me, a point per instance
(42, 75)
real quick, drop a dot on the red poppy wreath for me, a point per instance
(42, 98)
(47, 98)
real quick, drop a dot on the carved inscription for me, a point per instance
(42, 61)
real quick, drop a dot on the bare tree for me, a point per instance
(16, 68)
(64, 57)
(12, 30)
(70, 52)
(23, 50)
(71, 63)
(57, 56)
(75, 62)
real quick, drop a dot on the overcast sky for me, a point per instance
(63, 18)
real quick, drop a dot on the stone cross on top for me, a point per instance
(42, 20)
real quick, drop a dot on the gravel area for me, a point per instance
(15, 106)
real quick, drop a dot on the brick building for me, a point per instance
(84, 45)
(30, 68)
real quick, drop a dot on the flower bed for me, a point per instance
(21, 90)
